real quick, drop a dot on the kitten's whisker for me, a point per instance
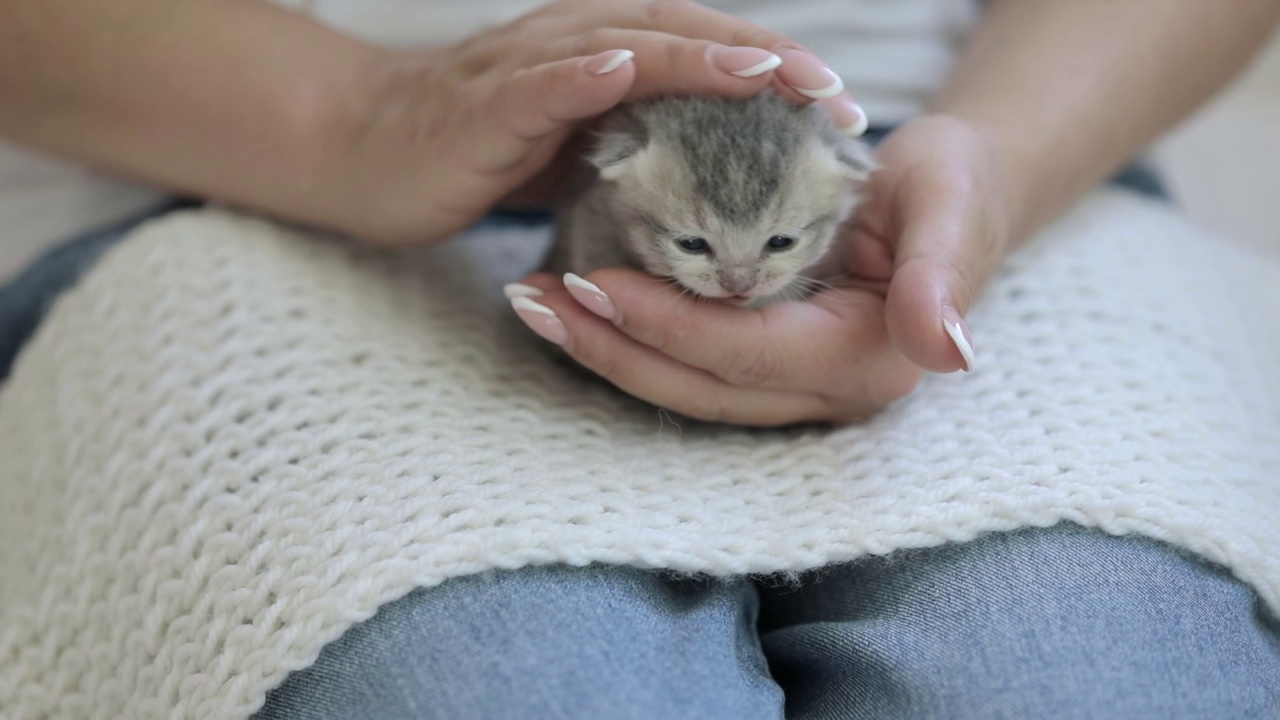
(848, 282)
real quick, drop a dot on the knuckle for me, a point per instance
(658, 12)
(681, 54)
(590, 42)
(605, 364)
(751, 35)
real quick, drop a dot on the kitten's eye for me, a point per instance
(693, 245)
(780, 242)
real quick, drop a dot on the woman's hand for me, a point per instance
(250, 104)
(828, 360)
(932, 230)
(935, 224)
(454, 130)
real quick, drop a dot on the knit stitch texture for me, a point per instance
(234, 440)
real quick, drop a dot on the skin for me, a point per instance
(247, 103)
(239, 101)
(1047, 100)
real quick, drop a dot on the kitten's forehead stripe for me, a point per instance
(738, 152)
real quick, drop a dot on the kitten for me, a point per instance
(732, 199)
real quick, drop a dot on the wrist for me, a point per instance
(287, 149)
(365, 121)
(1017, 176)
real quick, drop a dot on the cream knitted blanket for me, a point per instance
(233, 441)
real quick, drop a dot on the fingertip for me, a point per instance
(741, 62)
(809, 76)
(846, 114)
(924, 327)
(607, 62)
(958, 331)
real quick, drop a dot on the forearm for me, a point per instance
(229, 99)
(1070, 91)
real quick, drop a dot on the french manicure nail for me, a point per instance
(849, 116)
(745, 62)
(608, 61)
(808, 76)
(959, 333)
(540, 319)
(590, 296)
(515, 290)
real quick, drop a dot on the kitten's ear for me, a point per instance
(855, 157)
(622, 138)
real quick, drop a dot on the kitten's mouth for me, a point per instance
(738, 300)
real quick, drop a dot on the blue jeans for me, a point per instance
(1053, 623)
(1042, 623)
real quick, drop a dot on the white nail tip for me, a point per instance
(620, 57)
(574, 280)
(515, 290)
(829, 91)
(760, 68)
(524, 303)
(962, 344)
(860, 126)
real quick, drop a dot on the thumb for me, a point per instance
(939, 266)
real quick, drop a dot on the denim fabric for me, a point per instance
(25, 299)
(554, 642)
(1051, 623)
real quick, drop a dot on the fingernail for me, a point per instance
(745, 62)
(515, 290)
(849, 116)
(590, 296)
(809, 76)
(959, 333)
(540, 319)
(608, 61)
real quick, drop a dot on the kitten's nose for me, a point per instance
(737, 283)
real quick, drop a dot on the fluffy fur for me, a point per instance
(694, 189)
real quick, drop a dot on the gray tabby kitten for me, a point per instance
(732, 199)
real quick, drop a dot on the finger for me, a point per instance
(693, 20)
(939, 261)
(547, 100)
(653, 377)
(802, 76)
(685, 19)
(798, 347)
(669, 64)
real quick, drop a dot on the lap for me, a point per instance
(544, 643)
(1061, 622)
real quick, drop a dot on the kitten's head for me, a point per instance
(732, 199)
